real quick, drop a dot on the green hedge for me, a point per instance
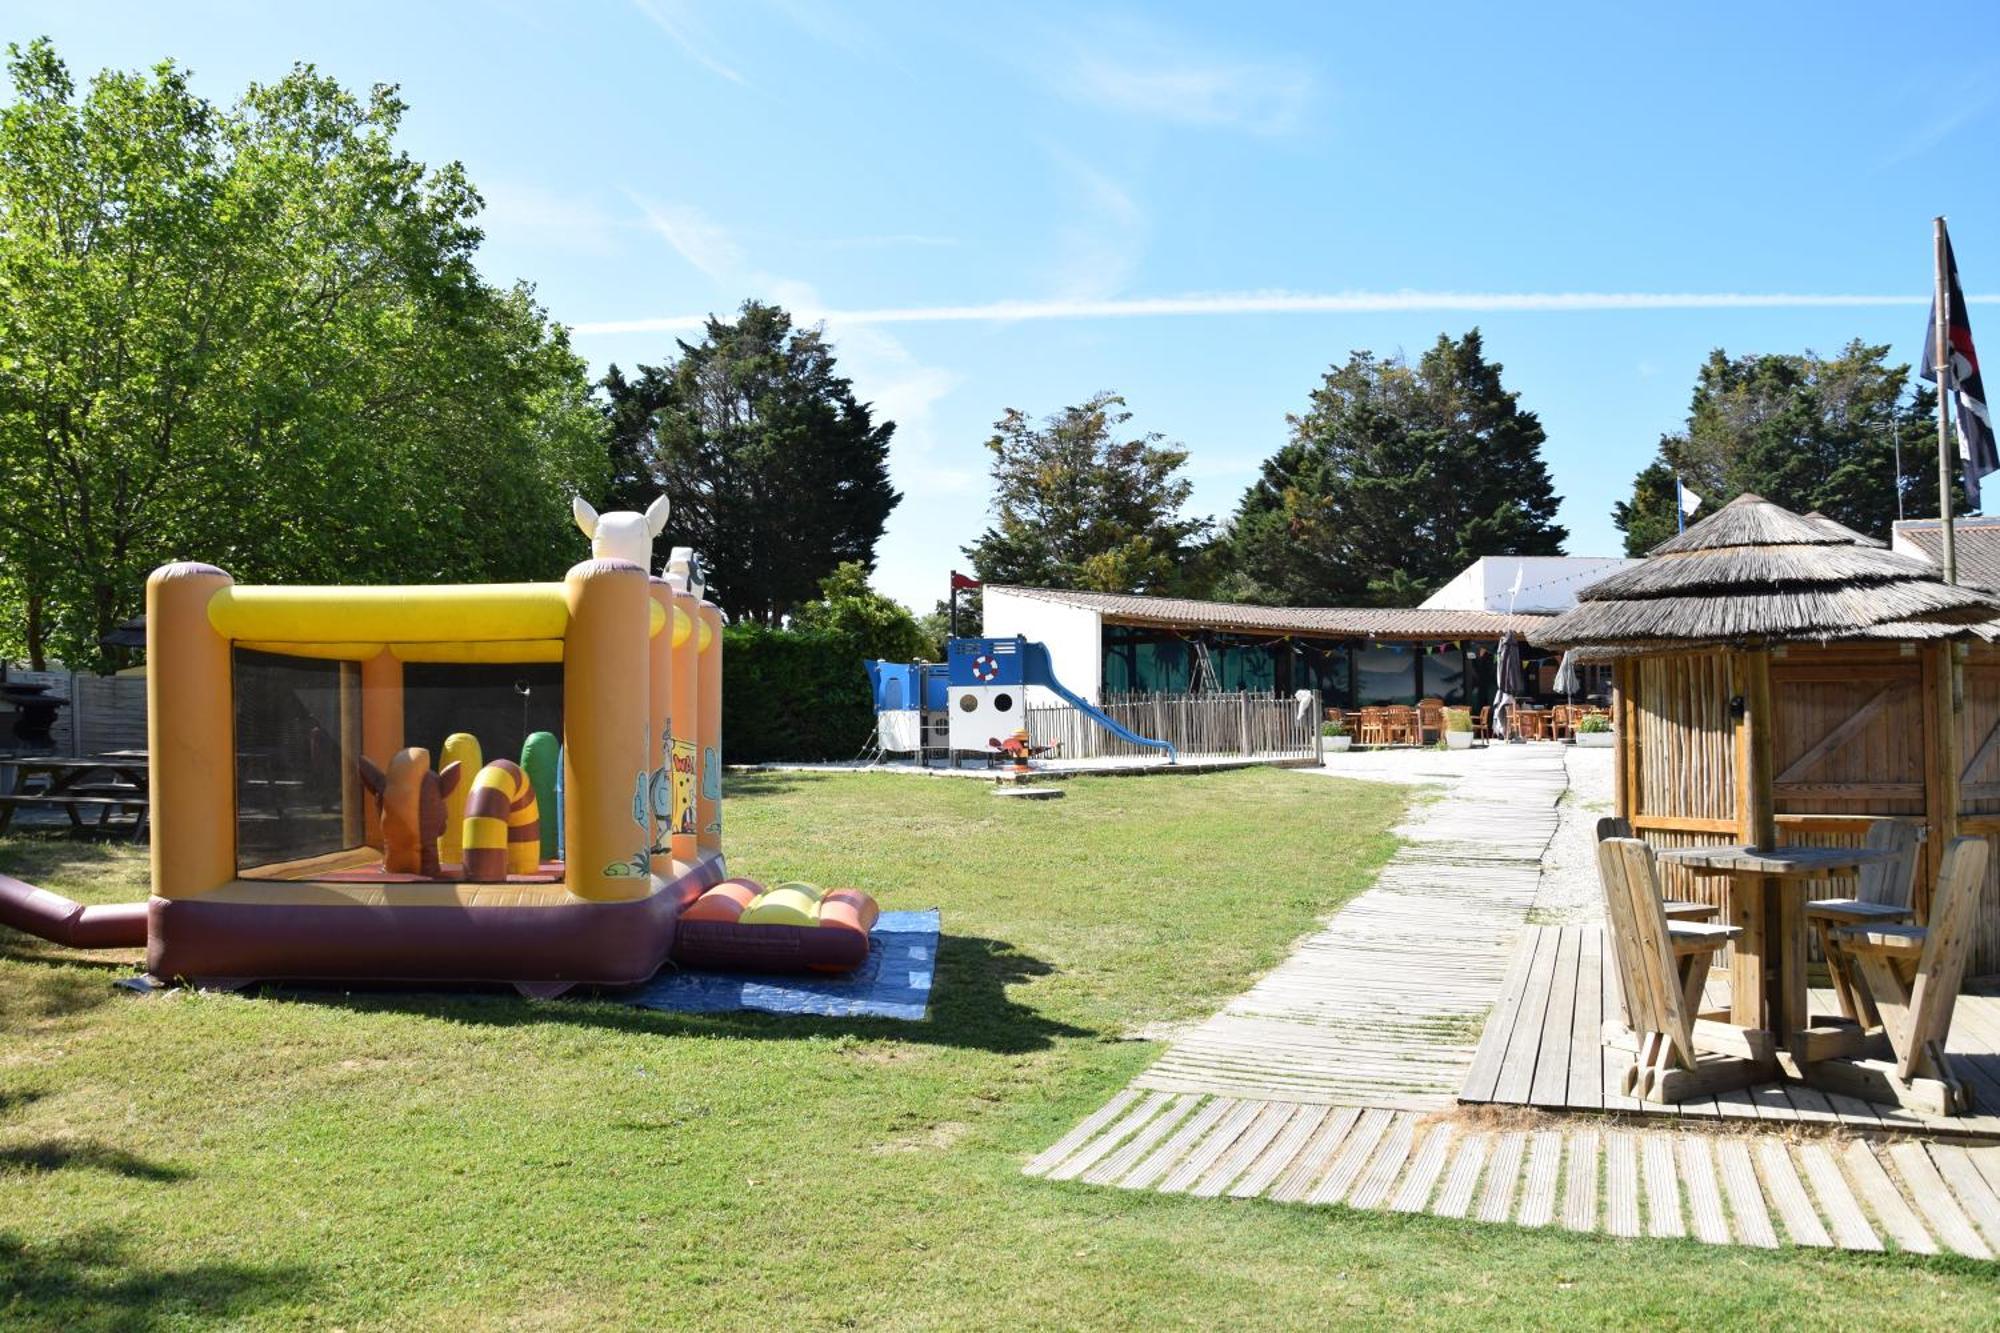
(793, 694)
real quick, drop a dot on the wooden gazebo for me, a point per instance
(1777, 678)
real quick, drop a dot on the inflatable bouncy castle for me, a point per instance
(301, 828)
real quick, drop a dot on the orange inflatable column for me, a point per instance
(659, 728)
(381, 727)
(687, 722)
(708, 821)
(190, 733)
(605, 719)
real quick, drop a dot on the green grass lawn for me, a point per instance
(397, 1160)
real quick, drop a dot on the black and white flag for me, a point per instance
(1975, 424)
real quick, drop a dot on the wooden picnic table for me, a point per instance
(106, 782)
(1767, 971)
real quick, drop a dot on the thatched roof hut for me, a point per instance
(1754, 573)
(1776, 680)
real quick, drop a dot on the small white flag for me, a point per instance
(1689, 501)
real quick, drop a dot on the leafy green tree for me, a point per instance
(1806, 431)
(255, 335)
(777, 473)
(879, 626)
(1395, 478)
(1077, 507)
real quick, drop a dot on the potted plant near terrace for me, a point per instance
(1458, 728)
(1593, 732)
(1333, 735)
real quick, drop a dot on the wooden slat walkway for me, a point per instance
(1543, 1047)
(1713, 1185)
(1381, 1007)
(1334, 1079)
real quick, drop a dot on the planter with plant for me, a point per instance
(1594, 732)
(1333, 736)
(1458, 728)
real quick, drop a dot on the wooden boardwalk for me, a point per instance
(1722, 1187)
(1543, 1047)
(1382, 1006)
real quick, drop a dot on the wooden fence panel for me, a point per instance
(1200, 726)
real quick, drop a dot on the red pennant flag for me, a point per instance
(959, 580)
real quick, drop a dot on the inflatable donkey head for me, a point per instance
(622, 535)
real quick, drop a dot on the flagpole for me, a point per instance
(1941, 356)
(1680, 506)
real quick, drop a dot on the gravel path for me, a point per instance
(1569, 893)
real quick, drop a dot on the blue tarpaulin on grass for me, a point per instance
(895, 981)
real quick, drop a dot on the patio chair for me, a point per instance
(1400, 721)
(1374, 727)
(1482, 724)
(1560, 724)
(1912, 973)
(1617, 826)
(1881, 897)
(1678, 1055)
(1430, 720)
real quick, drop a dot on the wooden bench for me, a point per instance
(72, 800)
(1661, 970)
(1881, 898)
(1912, 974)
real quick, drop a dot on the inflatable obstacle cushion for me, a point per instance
(791, 927)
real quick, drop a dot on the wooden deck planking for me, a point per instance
(1580, 1182)
(1415, 1191)
(1503, 1172)
(1842, 1210)
(1538, 1187)
(1373, 1188)
(1885, 1201)
(1315, 1085)
(1704, 1196)
(1362, 1011)
(1543, 1046)
(1155, 1165)
(1935, 1201)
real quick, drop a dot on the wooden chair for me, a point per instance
(1482, 724)
(1559, 722)
(1430, 720)
(1661, 995)
(1912, 974)
(1374, 727)
(1400, 721)
(1617, 826)
(1881, 897)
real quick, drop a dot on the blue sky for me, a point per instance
(1198, 206)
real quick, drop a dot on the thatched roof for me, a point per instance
(1842, 530)
(1755, 573)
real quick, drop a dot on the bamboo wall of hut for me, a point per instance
(1859, 733)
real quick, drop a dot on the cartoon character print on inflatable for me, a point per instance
(411, 800)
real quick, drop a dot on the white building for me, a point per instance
(1116, 643)
(1527, 584)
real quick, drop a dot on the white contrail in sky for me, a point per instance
(1263, 303)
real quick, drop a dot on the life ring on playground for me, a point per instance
(985, 669)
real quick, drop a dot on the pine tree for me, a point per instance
(1395, 479)
(776, 472)
(1804, 431)
(1077, 507)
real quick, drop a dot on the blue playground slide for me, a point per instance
(1036, 669)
